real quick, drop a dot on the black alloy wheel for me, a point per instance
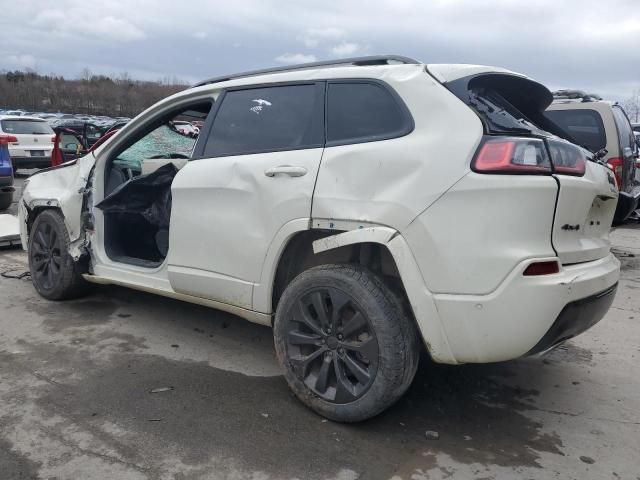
(55, 274)
(331, 345)
(46, 256)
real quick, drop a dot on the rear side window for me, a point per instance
(584, 126)
(26, 127)
(267, 120)
(625, 133)
(364, 112)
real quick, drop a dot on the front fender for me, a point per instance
(62, 187)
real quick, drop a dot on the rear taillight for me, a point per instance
(567, 159)
(542, 268)
(615, 164)
(512, 155)
(530, 156)
(7, 139)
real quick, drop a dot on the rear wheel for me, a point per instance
(54, 273)
(346, 346)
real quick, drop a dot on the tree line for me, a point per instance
(90, 94)
(115, 97)
(632, 106)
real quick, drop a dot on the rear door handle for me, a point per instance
(286, 170)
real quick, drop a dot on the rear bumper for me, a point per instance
(525, 314)
(6, 183)
(30, 162)
(575, 318)
(627, 203)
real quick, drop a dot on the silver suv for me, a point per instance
(600, 125)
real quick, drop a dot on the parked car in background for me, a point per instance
(34, 141)
(186, 128)
(88, 130)
(6, 172)
(319, 203)
(67, 145)
(15, 113)
(70, 143)
(600, 125)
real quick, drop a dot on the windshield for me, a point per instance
(584, 125)
(26, 127)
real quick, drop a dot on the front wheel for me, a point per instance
(54, 273)
(345, 343)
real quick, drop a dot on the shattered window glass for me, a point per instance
(160, 143)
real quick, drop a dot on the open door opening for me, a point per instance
(137, 200)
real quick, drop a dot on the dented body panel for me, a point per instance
(62, 188)
(393, 181)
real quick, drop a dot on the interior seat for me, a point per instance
(116, 178)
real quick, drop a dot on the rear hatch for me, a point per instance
(34, 137)
(513, 105)
(584, 212)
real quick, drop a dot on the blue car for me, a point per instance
(6, 172)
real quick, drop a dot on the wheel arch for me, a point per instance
(36, 209)
(383, 250)
(315, 247)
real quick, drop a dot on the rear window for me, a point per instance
(360, 112)
(584, 126)
(25, 127)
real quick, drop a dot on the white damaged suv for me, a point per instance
(367, 209)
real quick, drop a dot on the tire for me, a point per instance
(54, 273)
(5, 200)
(357, 356)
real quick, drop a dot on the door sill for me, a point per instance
(252, 316)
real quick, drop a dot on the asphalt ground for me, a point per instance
(127, 385)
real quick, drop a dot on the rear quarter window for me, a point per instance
(585, 126)
(363, 112)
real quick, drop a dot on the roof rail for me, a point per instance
(575, 95)
(355, 61)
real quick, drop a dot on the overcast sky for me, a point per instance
(587, 44)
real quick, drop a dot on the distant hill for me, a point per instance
(93, 94)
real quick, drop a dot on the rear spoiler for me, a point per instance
(531, 98)
(525, 94)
